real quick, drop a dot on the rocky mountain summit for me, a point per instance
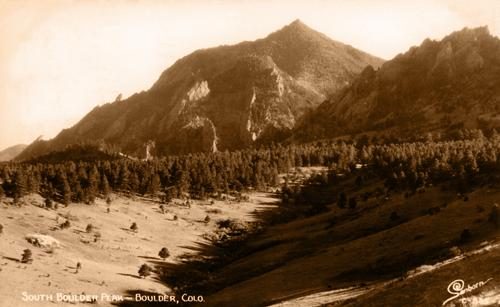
(437, 87)
(228, 97)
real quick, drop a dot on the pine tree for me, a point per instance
(154, 185)
(66, 224)
(63, 187)
(164, 253)
(33, 181)
(342, 200)
(494, 217)
(123, 179)
(48, 203)
(20, 184)
(144, 271)
(134, 182)
(352, 202)
(79, 195)
(93, 184)
(27, 256)
(105, 189)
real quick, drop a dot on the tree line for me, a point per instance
(209, 174)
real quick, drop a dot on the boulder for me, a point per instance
(42, 241)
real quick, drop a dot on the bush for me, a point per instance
(164, 253)
(134, 227)
(89, 228)
(1, 229)
(352, 203)
(27, 256)
(144, 271)
(465, 236)
(492, 218)
(65, 225)
(48, 203)
(342, 200)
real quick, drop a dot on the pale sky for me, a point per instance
(59, 59)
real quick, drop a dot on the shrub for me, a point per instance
(48, 203)
(352, 203)
(455, 251)
(144, 271)
(65, 225)
(27, 256)
(134, 227)
(164, 253)
(465, 236)
(342, 200)
(492, 218)
(89, 228)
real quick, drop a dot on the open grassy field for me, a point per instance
(110, 264)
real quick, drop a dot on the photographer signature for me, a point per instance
(457, 288)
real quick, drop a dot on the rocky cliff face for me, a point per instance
(227, 97)
(435, 87)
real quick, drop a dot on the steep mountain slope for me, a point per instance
(346, 253)
(436, 87)
(11, 152)
(224, 98)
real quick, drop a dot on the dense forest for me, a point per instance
(201, 175)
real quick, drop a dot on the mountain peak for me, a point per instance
(297, 23)
(297, 26)
(469, 34)
(265, 85)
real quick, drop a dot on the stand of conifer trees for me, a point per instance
(407, 165)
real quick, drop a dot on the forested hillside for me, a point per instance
(432, 90)
(204, 174)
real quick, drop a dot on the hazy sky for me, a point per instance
(59, 59)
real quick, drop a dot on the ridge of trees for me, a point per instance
(204, 174)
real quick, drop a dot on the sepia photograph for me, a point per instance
(237, 153)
